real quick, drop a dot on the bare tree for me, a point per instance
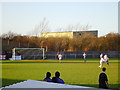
(41, 28)
(76, 27)
(9, 36)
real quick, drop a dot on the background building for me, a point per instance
(69, 34)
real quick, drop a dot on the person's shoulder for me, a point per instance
(54, 79)
(47, 79)
(60, 80)
(44, 79)
(102, 73)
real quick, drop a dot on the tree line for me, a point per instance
(87, 42)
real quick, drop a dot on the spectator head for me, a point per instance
(57, 74)
(48, 74)
(103, 69)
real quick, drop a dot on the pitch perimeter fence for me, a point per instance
(67, 55)
(79, 54)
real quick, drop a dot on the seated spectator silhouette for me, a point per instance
(47, 79)
(56, 79)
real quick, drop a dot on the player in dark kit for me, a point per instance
(103, 80)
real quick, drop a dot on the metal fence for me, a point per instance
(76, 55)
(71, 55)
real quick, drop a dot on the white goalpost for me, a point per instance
(28, 53)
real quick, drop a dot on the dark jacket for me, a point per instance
(47, 79)
(102, 80)
(57, 80)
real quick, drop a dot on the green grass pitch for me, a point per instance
(73, 72)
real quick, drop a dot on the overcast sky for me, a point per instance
(22, 17)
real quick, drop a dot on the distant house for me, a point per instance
(69, 34)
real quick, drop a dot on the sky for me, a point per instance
(23, 17)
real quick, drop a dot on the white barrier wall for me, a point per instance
(43, 84)
(17, 57)
(2, 57)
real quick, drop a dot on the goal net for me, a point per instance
(28, 53)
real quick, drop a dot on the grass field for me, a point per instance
(74, 72)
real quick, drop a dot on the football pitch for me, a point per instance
(73, 72)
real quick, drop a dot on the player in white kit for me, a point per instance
(106, 59)
(60, 57)
(101, 60)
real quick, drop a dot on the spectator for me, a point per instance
(103, 80)
(47, 79)
(56, 79)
